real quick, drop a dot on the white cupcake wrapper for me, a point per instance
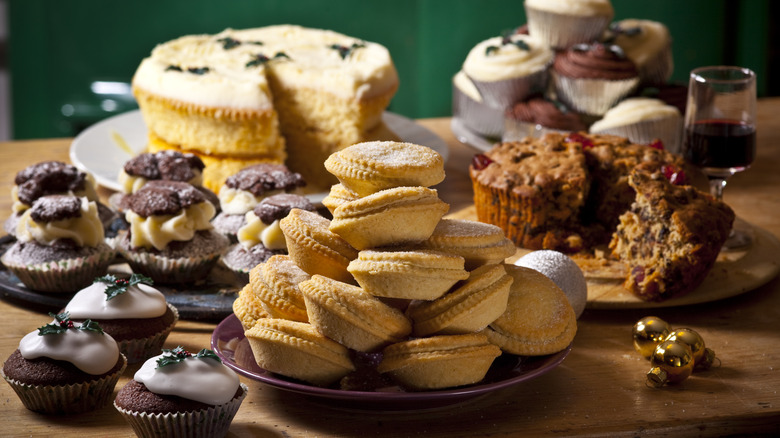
(504, 93)
(592, 96)
(62, 276)
(211, 422)
(667, 129)
(562, 31)
(138, 350)
(67, 399)
(477, 116)
(167, 270)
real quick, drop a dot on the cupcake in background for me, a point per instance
(133, 312)
(65, 368)
(648, 44)
(537, 116)
(469, 108)
(170, 238)
(592, 78)
(53, 178)
(261, 237)
(243, 190)
(60, 245)
(178, 393)
(561, 24)
(643, 120)
(506, 69)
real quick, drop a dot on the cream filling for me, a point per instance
(139, 301)
(490, 60)
(159, 231)
(256, 231)
(85, 230)
(131, 184)
(88, 192)
(634, 110)
(573, 7)
(205, 380)
(642, 47)
(91, 352)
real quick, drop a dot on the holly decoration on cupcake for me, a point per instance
(118, 286)
(63, 323)
(179, 354)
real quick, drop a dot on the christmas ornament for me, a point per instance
(702, 356)
(648, 332)
(672, 363)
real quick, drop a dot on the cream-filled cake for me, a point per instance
(271, 93)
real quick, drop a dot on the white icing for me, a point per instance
(85, 230)
(205, 380)
(563, 271)
(367, 72)
(139, 301)
(506, 61)
(256, 232)
(573, 7)
(91, 352)
(642, 47)
(464, 84)
(158, 231)
(634, 110)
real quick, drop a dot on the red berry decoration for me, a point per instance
(480, 161)
(673, 174)
(576, 137)
(657, 144)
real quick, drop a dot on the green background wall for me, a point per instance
(58, 48)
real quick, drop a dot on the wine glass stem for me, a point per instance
(716, 187)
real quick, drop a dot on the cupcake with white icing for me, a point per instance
(648, 44)
(179, 393)
(469, 108)
(65, 368)
(133, 312)
(563, 23)
(643, 120)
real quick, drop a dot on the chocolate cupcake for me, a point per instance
(537, 116)
(591, 79)
(260, 237)
(243, 190)
(52, 178)
(178, 393)
(65, 368)
(133, 312)
(648, 45)
(60, 245)
(561, 23)
(170, 238)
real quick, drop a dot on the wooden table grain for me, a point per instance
(599, 390)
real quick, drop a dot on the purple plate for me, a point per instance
(231, 346)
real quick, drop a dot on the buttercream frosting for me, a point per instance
(641, 40)
(159, 230)
(92, 352)
(573, 7)
(85, 229)
(633, 110)
(255, 231)
(501, 58)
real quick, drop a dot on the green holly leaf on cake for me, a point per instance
(178, 354)
(91, 326)
(118, 286)
(229, 43)
(345, 51)
(261, 59)
(206, 353)
(62, 323)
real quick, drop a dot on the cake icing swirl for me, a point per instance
(55, 217)
(546, 113)
(595, 61)
(262, 223)
(508, 57)
(640, 40)
(634, 110)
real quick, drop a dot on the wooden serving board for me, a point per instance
(734, 273)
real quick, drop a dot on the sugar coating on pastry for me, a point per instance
(419, 275)
(477, 242)
(368, 167)
(388, 217)
(314, 248)
(275, 283)
(352, 316)
(439, 361)
(337, 196)
(248, 308)
(296, 349)
(469, 308)
(538, 319)
(564, 271)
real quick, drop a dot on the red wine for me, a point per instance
(720, 144)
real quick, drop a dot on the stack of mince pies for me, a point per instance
(429, 299)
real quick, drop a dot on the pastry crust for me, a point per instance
(247, 308)
(275, 284)
(337, 196)
(477, 242)
(351, 316)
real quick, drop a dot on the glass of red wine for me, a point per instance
(720, 129)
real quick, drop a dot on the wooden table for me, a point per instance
(599, 390)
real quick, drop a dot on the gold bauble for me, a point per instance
(648, 332)
(672, 363)
(702, 356)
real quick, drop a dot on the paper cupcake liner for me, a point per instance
(138, 350)
(504, 93)
(67, 399)
(167, 270)
(62, 276)
(475, 115)
(515, 130)
(562, 31)
(592, 96)
(211, 422)
(667, 129)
